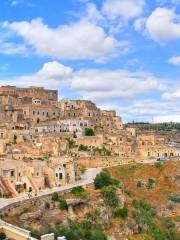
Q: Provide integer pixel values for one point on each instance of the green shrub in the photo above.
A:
(110, 197)
(47, 205)
(140, 204)
(55, 196)
(104, 179)
(174, 198)
(168, 223)
(158, 166)
(84, 230)
(151, 183)
(63, 204)
(89, 132)
(78, 191)
(83, 148)
(120, 212)
(139, 184)
(98, 235)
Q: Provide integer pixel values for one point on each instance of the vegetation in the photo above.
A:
(158, 166)
(120, 212)
(110, 197)
(151, 183)
(89, 132)
(139, 184)
(104, 179)
(156, 126)
(83, 148)
(102, 151)
(63, 204)
(55, 196)
(78, 192)
(83, 231)
(174, 198)
(47, 205)
(71, 143)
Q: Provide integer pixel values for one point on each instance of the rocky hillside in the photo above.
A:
(127, 202)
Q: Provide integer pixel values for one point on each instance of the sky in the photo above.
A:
(121, 54)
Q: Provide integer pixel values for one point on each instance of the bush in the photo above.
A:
(140, 204)
(139, 184)
(168, 223)
(89, 132)
(78, 191)
(104, 179)
(151, 183)
(55, 196)
(174, 198)
(47, 205)
(120, 212)
(63, 204)
(83, 230)
(110, 197)
(98, 235)
(158, 166)
(83, 148)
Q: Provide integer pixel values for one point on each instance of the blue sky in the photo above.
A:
(121, 54)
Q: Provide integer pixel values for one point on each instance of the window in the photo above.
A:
(60, 176)
(57, 175)
(12, 173)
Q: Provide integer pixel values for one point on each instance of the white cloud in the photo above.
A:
(92, 14)
(173, 95)
(80, 40)
(150, 110)
(175, 60)
(123, 8)
(52, 75)
(118, 84)
(107, 87)
(92, 83)
(162, 25)
(10, 48)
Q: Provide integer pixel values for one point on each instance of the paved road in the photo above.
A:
(88, 178)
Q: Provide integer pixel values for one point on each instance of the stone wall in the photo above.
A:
(103, 161)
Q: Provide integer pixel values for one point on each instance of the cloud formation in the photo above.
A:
(162, 25)
(79, 40)
(126, 9)
(175, 60)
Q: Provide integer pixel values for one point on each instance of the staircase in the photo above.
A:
(8, 186)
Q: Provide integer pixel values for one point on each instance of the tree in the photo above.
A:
(89, 132)
(63, 204)
(104, 179)
(55, 196)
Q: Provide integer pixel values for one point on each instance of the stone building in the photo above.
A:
(150, 145)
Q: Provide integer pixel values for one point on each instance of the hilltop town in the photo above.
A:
(46, 142)
(47, 146)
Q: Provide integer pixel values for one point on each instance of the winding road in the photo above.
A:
(87, 178)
